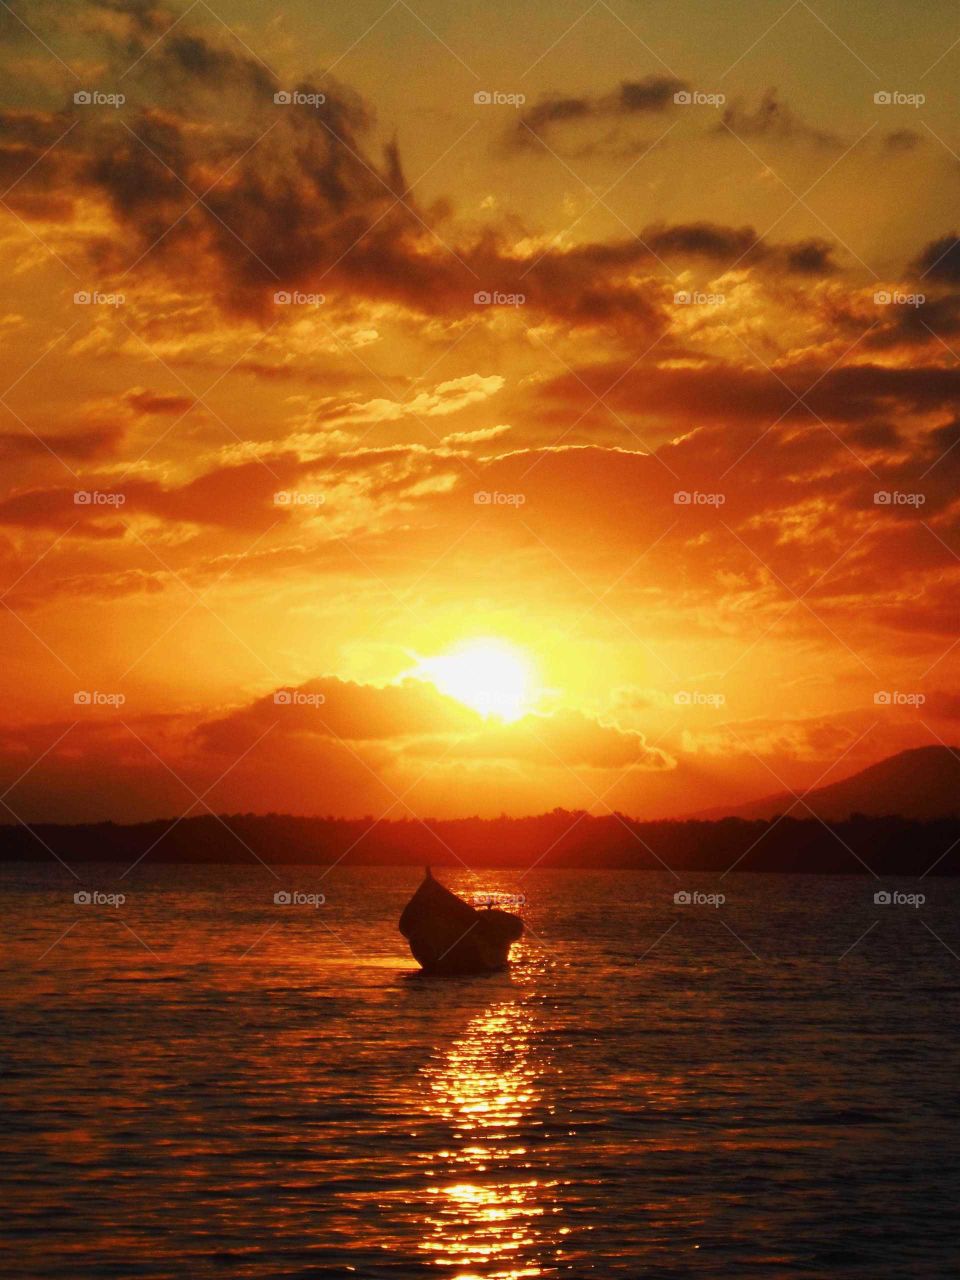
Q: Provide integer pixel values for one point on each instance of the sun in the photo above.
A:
(491, 676)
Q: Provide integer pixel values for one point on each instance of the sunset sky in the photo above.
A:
(611, 540)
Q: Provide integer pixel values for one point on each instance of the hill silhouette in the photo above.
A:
(923, 783)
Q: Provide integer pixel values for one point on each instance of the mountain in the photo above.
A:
(923, 784)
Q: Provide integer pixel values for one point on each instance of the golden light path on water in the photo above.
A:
(491, 1209)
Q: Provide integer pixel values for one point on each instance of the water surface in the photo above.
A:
(200, 1082)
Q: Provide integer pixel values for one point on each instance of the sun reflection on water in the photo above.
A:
(491, 1203)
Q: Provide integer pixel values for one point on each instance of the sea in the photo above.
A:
(240, 1072)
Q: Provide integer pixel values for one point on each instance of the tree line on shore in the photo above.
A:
(561, 838)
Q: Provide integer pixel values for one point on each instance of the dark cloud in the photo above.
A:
(940, 260)
(652, 94)
(727, 393)
(234, 497)
(773, 119)
(307, 208)
(25, 137)
(902, 140)
(876, 435)
(146, 401)
(553, 113)
(726, 245)
(298, 198)
(548, 112)
(290, 188)
(82, 445)
(906, 325)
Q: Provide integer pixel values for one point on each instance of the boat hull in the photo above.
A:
(449, 936)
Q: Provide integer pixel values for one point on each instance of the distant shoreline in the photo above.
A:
(859, 845)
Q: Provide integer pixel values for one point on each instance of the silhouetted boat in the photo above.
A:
(448, 935)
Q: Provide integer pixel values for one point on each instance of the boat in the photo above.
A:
(447, 935)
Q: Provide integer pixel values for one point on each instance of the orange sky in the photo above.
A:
(722, 255)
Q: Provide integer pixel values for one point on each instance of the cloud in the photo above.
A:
(774, 119)
(481, 435)
(903, 140)
(415, 715)
(238, 497)
(914, 326)
(145, 401)
(275, 210)
(803, 739)
(86, 445)
(743, 246)
(724, 392)
(563, 740)
(940, 260)
(400, 750)
(329, 707)
(303, 198)
(446, 398)
(552, 113)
